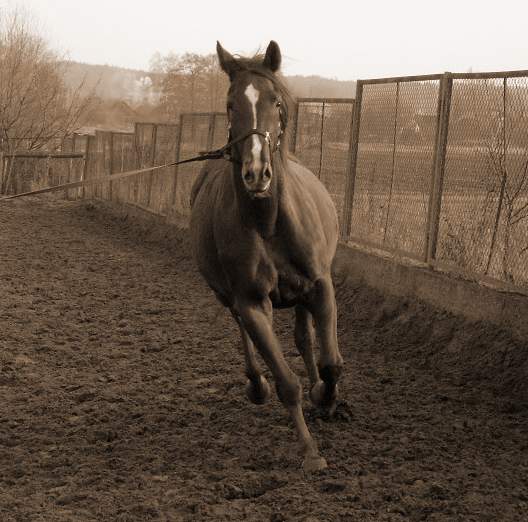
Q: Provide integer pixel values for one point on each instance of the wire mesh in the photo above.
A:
(195, 134)
(145, 136)
(219, 131)
(394, 165)
(322, 142)
(123, 159)
(33, 171)
(337, 124)
(80, 143)
(309, 135)
(90, 191)
(98, 163)
(27, 173)
(163, 179)
(484, 214)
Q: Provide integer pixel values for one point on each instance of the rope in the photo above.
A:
(217, 154)
(223, 152)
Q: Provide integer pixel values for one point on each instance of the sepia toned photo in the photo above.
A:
(263, 262)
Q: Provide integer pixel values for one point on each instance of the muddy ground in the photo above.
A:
(121, 394)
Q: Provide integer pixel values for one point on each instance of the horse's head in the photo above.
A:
(255, 102)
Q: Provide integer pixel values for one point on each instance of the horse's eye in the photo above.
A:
(278, 104)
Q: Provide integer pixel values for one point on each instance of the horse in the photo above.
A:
(264, 232)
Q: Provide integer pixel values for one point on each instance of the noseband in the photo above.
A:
(228, 153)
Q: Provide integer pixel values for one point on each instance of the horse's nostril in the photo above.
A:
(266, 174)
(249, 176)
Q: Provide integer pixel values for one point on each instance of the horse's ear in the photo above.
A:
(272, 59)
(226, 60)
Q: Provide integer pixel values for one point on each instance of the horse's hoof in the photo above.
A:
(314, 464)
(321, 398)
(258, 392)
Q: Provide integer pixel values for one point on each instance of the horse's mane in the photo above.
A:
(254, 64)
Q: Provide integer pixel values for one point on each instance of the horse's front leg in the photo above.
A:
(324, 310)
(257, 320)
(257, 387)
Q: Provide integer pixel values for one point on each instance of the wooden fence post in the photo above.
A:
(435, 197)
(352, 163)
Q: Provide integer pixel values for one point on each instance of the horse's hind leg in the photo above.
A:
(304, 340)
(324, 310)
(257, 387)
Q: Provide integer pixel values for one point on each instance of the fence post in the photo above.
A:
(321, 141)
(110, 163)
(295, 119)
(352, 163)
(211, 130)
(152, 162)
(435, 197)
(2, 168)
(176, 158)
(85, 165)
(393, 161)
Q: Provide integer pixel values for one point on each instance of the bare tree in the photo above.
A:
(36, 107)
(190, 83)
(507, 160)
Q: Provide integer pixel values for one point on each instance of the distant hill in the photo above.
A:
(139, 87)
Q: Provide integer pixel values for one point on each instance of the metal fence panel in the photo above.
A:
(219, 131)
(195, 135)
(375, 149)
(163, 179)
(322, 141)
(394, 165)
(145, 136)
(90, 191)
(123, 159)
(309, 135)
(484, 214)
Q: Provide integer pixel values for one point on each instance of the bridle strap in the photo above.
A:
(225, 152)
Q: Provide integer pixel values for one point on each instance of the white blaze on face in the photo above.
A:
(253, 95)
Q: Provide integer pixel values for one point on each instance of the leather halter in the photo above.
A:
(266, 135)
(226, 153)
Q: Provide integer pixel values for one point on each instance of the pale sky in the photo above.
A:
(345, 40)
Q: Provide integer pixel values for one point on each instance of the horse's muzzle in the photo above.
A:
(257, 179)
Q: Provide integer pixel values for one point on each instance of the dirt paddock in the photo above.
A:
(121, 394)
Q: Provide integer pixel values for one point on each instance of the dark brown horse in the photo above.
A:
(264, 231)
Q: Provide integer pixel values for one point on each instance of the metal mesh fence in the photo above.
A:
(322, 142)
(165, 151)
(27, 171)
(145, 134)
(219, 131)
(434, 168)
(123, 159)
(395, 154)
(195, 137)
(89, 191)
(484, 214)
